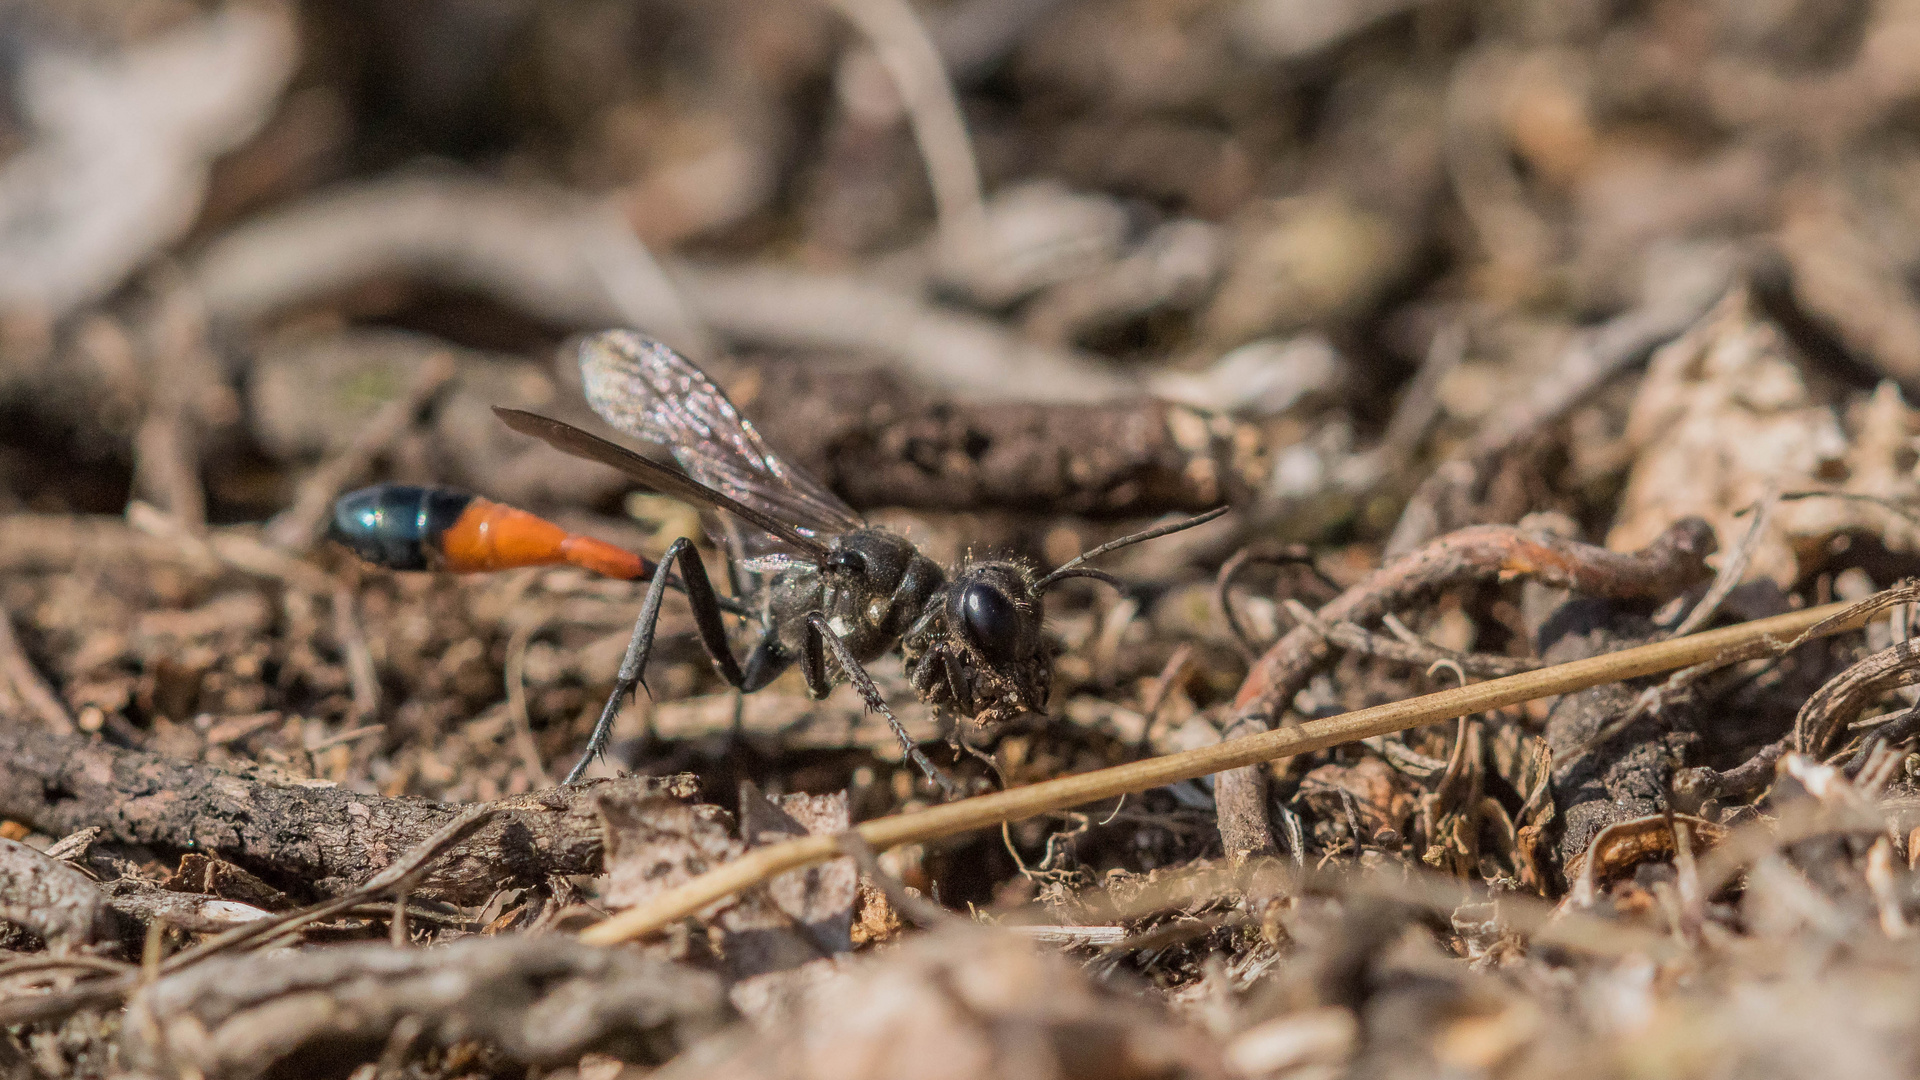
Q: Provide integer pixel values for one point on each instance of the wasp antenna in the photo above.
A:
(1154, 533)
(1066, 572)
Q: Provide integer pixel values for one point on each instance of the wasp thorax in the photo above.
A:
(871, 585)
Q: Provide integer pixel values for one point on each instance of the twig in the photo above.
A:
(902, 46)
(16, 670)
(1489, 552)
(28, 965)
(1448, 788)
(53, 543)
(168, 465)
(1050, 934)
(364, 680)
(881, 442)
(299, 526)
(1024, 802)
(1157, 695)
(51, 898)
(1421, 402)
(1290, 555)
(638, 287)
(531, 999)
(233, 548)
(1174, 265)
(1891, 506)
(1735, 567)
(1672, 562)
(399, 878)
(1178, 931)
(1409, 761)
(401, 875)
(1893, 730)
(342, 738)
(516, 679)
(939, 347)
(1424, 653)
(522, 246)
(325, 839)
(180, 372)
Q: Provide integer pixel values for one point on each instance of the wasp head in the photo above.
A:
(979, 649)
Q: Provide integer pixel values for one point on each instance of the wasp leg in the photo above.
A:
(706, 619)
(924, 673)
(959, 685)
(765, 664)
(814, 666)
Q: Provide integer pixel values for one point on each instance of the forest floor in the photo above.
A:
(1512, 333)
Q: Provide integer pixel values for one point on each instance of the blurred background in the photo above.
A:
(229, 232)
(1013, 275)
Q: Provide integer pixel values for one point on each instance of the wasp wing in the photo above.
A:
(657, 476)
(647, 390)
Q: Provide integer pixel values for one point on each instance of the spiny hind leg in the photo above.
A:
(713, 637)
(820, 640)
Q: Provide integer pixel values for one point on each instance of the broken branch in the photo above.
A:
(321, 838)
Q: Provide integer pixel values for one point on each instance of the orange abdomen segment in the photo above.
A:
(494, 536)
(604, 558)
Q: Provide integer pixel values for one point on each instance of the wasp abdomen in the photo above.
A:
(402, 527)
(397, 526)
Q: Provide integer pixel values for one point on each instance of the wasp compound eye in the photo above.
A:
(989, 620)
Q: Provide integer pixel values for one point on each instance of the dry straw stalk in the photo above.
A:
(1726, 645)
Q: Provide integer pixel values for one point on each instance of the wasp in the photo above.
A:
(826, 590)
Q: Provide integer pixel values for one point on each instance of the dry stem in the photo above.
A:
(914, 64)
(16, 671)
(298, 527)
(1069, 791)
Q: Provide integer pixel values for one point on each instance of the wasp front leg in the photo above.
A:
(763, 665)
(813, 664)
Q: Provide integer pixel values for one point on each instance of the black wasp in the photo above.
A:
(829, 591)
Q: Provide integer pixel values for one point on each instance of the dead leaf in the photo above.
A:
(202, 874)
(654, 844)
(1620, 848)
(1725, 411)
(818, 898)
(965, 1003)
(804, 914)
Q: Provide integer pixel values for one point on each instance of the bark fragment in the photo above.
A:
(50, 898)
(542, 1000)
(300, 836)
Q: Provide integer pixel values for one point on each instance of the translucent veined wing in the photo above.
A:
(647, 390)
(657, 476)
